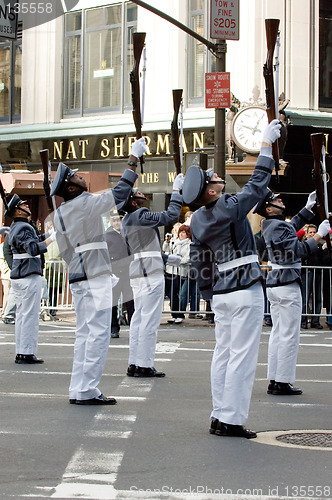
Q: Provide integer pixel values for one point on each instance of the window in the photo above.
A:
(98, 55)
(10, 79)
(200, 59)
(325, 54)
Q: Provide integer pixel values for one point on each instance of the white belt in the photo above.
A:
(296, 265)
(241, 261)
(98, 245)
(140, 255)
(25, 256)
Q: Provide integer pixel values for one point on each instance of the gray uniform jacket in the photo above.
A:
(80, 232)
(221, 233)
(140, 229)
(285, 249)
(27, 248)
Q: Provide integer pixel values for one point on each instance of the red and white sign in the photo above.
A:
(217, 90)
(225, 19)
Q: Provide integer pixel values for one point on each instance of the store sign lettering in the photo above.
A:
(118, 147)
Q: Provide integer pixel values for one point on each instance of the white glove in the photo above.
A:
(114, 280)
(52, 234)
(324, 228)
(174, 260)
(178, 182)
(139, 147)
(272, 132)
(311, 201)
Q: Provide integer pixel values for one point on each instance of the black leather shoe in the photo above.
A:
(147, 372)
(317, 327)
(115, 334)
(234, 430)
(270, 387)
(285, 389)
(100, 400)
(131, 370)
(28, 359)
(213, 425)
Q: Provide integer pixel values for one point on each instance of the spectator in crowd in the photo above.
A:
(53, 274)
(188, 286)
(312, 284)
(120, 261)
(187, 217)
(172, 278)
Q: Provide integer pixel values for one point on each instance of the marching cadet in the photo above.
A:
(223, 254)
(140, 229)
(120, 261)
(80, 236)
(27, 248)
(283, 284)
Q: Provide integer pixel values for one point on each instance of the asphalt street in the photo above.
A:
(155, 442)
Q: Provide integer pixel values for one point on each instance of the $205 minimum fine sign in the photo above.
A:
(217, 90)
(225, 19)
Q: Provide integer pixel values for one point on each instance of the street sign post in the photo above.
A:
(225, 19)
(217, 90)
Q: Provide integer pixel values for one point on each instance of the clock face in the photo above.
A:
(248, 127)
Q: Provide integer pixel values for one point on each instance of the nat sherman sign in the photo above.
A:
(116, 147)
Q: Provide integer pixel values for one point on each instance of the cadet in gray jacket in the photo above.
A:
(80, 236)
(27, 248)
(284, 286)
(140, 229)
(223, 253)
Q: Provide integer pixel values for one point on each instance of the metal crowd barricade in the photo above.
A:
(58, 294)
(316, 291)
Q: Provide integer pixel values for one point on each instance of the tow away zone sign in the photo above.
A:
(8, 19)
(225, 19)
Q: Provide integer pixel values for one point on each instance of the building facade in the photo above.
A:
(64, 86)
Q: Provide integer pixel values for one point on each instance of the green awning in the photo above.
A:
(304, 118)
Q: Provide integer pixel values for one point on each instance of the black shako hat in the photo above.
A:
(195, 183)
(14, 203)
(268, 197)
(61, 179)
(122, 206)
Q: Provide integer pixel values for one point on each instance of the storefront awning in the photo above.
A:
(304, 118)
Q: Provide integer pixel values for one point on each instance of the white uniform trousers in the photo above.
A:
(286, 310)
(93, 306)
(148, 299)
(238, 319)
(27, 293)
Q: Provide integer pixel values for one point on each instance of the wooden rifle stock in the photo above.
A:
(317, 143)
(177, 98)
(138, 45)
(44, 156)
(271, 28)
(3, 195)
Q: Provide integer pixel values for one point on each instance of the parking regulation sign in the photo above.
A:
(225, 19)
(8, 19)
(217, 90)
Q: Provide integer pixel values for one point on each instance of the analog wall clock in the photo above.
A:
(247, 128)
